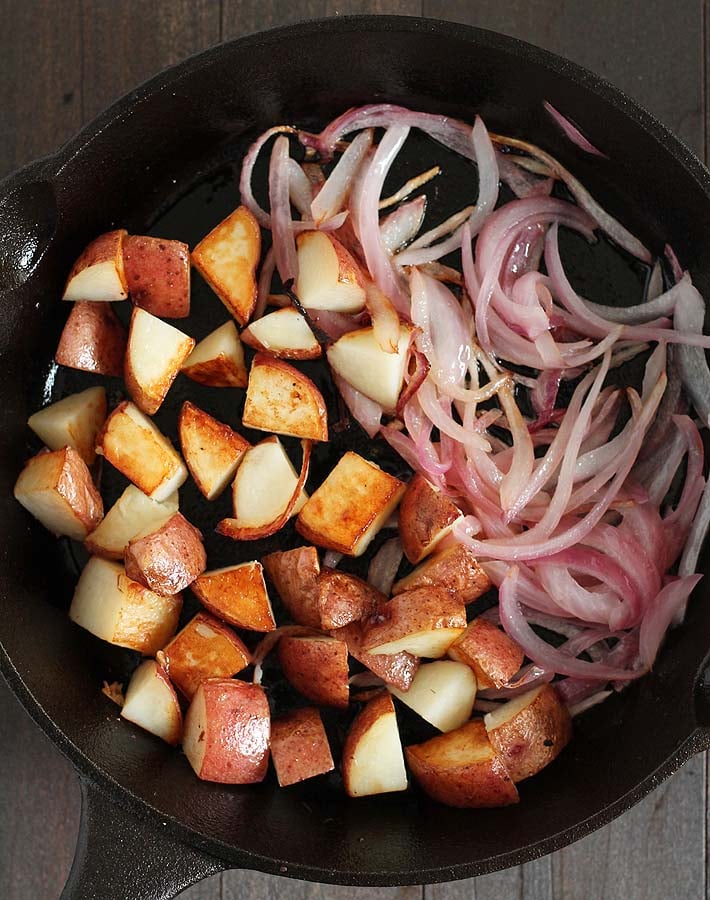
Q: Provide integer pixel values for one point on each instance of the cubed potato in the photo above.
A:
(373, 762)
(218, 359)
(425, 517)
(154, 356)
(169, 559)
(152, 704)
(328, 275)
(442, 692)
(227, 259)
(358, 358)
(93, 340)
(73, 422)
(283, 333)
(350, 506)
(343, 598)
(529, 731)
(238, 595)
(57, 489)
(283, 400)
(455, 568)
(227, 732)
(263, 492)
(118, 610)
(204, 648)
(98, 274)
(424, 622)
(397, 669)
(487, 649)
(299, 746)
(133, 515)
(317, 667)
(212, 450)
(461, 768)
(132, 443)
(158, 275)
(294, 574)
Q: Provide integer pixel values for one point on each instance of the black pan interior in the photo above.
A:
(164, 160)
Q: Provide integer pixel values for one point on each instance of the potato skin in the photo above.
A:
(455, 568)
(318, 668)
(299, 746)
(158, 275)
(93, 340)
(343, 598)
(488, 650)
(460, 768)
(397, 669)
(169, 559)
(425, 515)
(534, 737)
(294, 574)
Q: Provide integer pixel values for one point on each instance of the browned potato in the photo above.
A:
(132, 515)
(397, 669)
(212, 450)
(317, 667)
(529, 731)
(132, 443)
(488, 650)
(424, 622)
(93, 340)
(158, 275)
(99, 274)
(205, 648)
(152, 704)
(227, 730)
(425, 517)
(118, 610)
(238, 595)
(455, 568)
(343, 598)
(169, 559)
(283, 333)
(218, 360)
(372, 755)
(73, 422)
(299, 746)
(350, 506)
(328, 274)
(461, 768)
(227, 259)
(154, 357)
(283, 400)
(57, 489)
(294, 574)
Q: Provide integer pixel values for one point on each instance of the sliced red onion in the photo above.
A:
(676, 267)
(409, 187)
(367, 413)
(245, 189)
(608, 224)
(572, 132)
(364, 207)
(452, 224)
(692, 362)
(585, 703)
(299, 188)
(334, 324)
(331, 197)
(662, 611)
(662, 305)
(427, 463)
(696, 537)
(280, 200)
(399, 227)
(264, 286)
(654, 288)
(414, 378)
(517, 175)
(331, 558)
(385, 320)
(384, 565)
(542, 653)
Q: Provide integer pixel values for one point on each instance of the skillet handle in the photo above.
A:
(122, 857)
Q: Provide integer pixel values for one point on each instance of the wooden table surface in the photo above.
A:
(62, 62)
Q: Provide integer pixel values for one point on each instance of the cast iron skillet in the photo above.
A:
(149, 827)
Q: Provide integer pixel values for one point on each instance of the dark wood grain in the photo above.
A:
(60, 64)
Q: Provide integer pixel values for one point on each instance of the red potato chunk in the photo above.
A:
(158, 275)
(299, 746)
